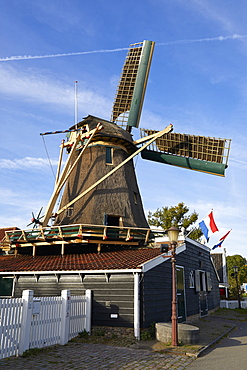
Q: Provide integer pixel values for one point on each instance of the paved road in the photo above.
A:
(76, 356)
(229, 354)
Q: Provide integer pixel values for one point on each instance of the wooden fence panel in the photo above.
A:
(77, 316)
(45, 325)
(10, 326)
(39, 324)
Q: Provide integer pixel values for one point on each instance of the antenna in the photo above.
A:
(76, 104)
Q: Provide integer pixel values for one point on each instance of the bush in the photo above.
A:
(150, 333)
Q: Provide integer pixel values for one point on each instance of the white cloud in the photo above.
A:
(207, 39)
(38, 87)
(215, 12)
(18, 198)
(24, 57)
(26, 163)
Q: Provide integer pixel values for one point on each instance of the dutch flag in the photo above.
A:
(208, 225)
(221, 240)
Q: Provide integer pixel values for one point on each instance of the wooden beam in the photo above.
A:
(157, 135)
(65, 173)
(78, 241)
(59, 161)
(34, 250)
(143, 139)
(62, 249)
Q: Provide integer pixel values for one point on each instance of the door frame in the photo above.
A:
(181, 294)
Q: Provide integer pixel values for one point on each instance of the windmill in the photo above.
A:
(100, 190)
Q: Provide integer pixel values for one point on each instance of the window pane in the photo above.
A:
(108, 155)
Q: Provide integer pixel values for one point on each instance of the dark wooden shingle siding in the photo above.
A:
(195, 258)
(156, 286)
(112, 293)
(156, 295)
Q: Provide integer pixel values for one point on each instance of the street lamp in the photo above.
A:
(173, 238)
(235, 268)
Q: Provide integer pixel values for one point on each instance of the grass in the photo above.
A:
(239, 314)
(35, 351)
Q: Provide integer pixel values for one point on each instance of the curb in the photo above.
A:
(205, 348)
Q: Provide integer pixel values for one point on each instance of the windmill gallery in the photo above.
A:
(99, 238)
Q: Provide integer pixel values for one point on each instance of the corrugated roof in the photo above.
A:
(117, 260)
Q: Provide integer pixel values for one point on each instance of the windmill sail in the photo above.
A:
(199, 153)
(129, 98)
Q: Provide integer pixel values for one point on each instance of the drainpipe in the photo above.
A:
(137, 306)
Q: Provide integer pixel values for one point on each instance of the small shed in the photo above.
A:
(131, 287)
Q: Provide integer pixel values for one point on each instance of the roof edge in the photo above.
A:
(67, 272)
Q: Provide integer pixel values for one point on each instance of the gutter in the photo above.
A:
(71, 272)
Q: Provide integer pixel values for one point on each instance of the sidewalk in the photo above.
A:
(141, 355)
(212, 328)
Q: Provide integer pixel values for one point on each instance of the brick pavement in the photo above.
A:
(75, 356)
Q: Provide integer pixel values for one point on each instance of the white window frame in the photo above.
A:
(201, 281)
(192, 279)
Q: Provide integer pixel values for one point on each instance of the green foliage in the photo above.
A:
(83, 334)
(99, 333)
(176, 216)
(32, 352)
(239, 261)
(150, 333)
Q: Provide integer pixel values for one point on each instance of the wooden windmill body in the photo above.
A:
(116, 201)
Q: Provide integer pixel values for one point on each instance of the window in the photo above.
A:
(135, 197)
(192, 279)
(109, 155)
(202, 281)
(209, 282)
(6, 286)
(69, 211)
(110, 220)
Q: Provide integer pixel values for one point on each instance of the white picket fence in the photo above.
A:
(232, 304)
(30, 322)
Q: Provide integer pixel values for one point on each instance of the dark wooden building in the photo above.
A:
(131, 287)
(219, 260)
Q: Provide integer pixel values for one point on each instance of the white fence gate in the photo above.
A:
(30, 322)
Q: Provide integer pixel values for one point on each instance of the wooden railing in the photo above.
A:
(79, 234)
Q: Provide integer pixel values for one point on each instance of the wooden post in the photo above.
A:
(174, 297)
(27, 310)
(65, 316)
(34, 250)
(62, 248)
(88, 307)
(136, 306)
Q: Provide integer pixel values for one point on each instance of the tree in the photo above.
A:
(239, 261)
(175, 216)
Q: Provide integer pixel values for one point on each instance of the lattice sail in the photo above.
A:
(205, 154)
(129, 98)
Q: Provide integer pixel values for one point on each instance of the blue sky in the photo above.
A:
(197, 82)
